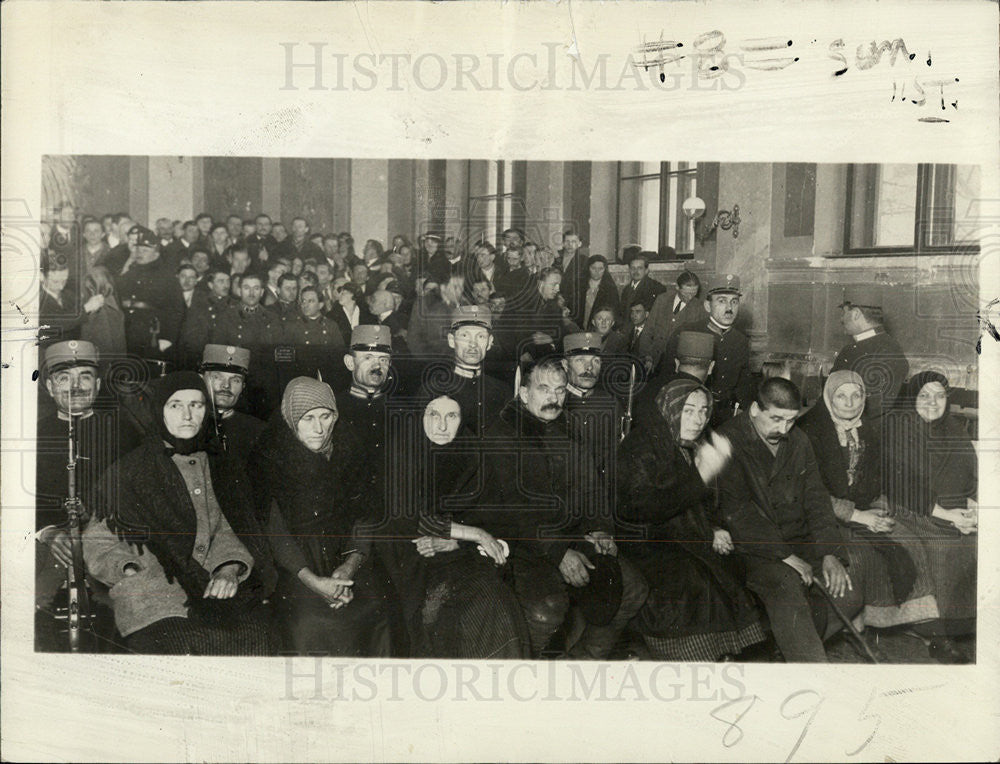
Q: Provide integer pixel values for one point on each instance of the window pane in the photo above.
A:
(884, 201)
(649, 168)
(639, 213)
(951, 190)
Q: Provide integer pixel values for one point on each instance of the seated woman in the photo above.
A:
(175, 538)
(931, 482)
(305, 474)
(894, 568)
(465, 609)
(697, 608)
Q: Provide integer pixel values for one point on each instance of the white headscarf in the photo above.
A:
(846, 428)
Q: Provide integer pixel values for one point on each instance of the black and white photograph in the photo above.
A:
(430, 441)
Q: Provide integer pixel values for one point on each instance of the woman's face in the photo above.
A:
(603, 322)
(184, 412)
(848, 401)
(694, 415)
(932, 401)
(314, 427)
(597, 271)
(442, 418)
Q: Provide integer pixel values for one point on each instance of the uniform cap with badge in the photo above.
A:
(146, 238)
(375, 338)
(862, 296)
(472, 315)
(696, 345)
(722, 283)
(225, 358)
(582, 343)
(68, 354)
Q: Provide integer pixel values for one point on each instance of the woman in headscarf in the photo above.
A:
(459, 605)
(890, 564)
(601, 290)
(176, 539)
(306, 473)
(931, 474)
(697, 608)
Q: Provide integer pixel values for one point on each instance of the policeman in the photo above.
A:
(224, 369)
(479, 395)
(730, 381)
(153, 302)
(70, 375)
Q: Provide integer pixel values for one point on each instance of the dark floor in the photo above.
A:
(895, 644)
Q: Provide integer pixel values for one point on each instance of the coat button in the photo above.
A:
(200, 548)
(197, 492)
(192, 461)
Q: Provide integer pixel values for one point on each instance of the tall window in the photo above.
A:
(503, 208)
(909, 209)
(650, 195)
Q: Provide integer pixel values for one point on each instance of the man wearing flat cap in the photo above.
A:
(730, 381)
(152, 299)
(872, 352)
(479, 395)
(69, 371)
(224, 369)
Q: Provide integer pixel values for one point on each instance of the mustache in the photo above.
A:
(551, 407)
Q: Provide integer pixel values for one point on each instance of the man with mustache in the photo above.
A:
(781, 520)
(529, 493)
(730, 380)
(70, 375)
(479, 395)
(224, 369)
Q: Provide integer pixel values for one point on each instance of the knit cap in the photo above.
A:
(304, 394)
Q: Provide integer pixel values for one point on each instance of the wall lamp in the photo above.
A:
(727, 220)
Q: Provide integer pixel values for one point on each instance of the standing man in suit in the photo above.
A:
(672, 310)
(641, 287)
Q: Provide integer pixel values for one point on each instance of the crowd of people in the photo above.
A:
(455, 450)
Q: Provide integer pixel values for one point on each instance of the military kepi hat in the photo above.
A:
(65, 355)
(582, 343)
(225, 358)
(862, 296)
(477, 315)
(146, 238)
(723, 283)
(696, 345)
(371, 337)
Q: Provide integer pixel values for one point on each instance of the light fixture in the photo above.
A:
(694, 208)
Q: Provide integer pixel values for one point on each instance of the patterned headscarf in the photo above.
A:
(670, 402)
(303, 394)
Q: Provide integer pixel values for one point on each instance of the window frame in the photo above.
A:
(921, 221)
(663, 175)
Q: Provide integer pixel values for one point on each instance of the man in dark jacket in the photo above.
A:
(224, 369)
(781, 520)
(873, 353)
(641, 287)
(529, 499)
(153, 302)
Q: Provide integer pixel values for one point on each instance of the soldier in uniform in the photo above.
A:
(153, 303)
(199, 321)
(317, 339)
(480, 396)
(872, 353)
(249, 325)
(70, 375)
(730, 382)
(224, 369)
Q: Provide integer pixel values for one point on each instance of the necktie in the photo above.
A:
(678, 307)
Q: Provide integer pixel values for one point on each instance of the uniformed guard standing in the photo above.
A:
(153, 303)
(730, 382)
(318, 341)
(479, 395)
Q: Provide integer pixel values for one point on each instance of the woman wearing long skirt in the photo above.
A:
(697, 607)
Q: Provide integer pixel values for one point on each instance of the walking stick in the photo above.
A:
(848, 624)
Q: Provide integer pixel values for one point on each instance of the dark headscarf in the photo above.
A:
(162, 390)
(908, 395)
(670, 402)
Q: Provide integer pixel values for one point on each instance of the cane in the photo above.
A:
(846, 621)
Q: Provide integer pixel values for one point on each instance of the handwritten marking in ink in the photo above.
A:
(986, 322)
(811, 710)
(733, 733)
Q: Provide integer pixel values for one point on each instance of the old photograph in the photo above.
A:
(480, 409)
(519, 381)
